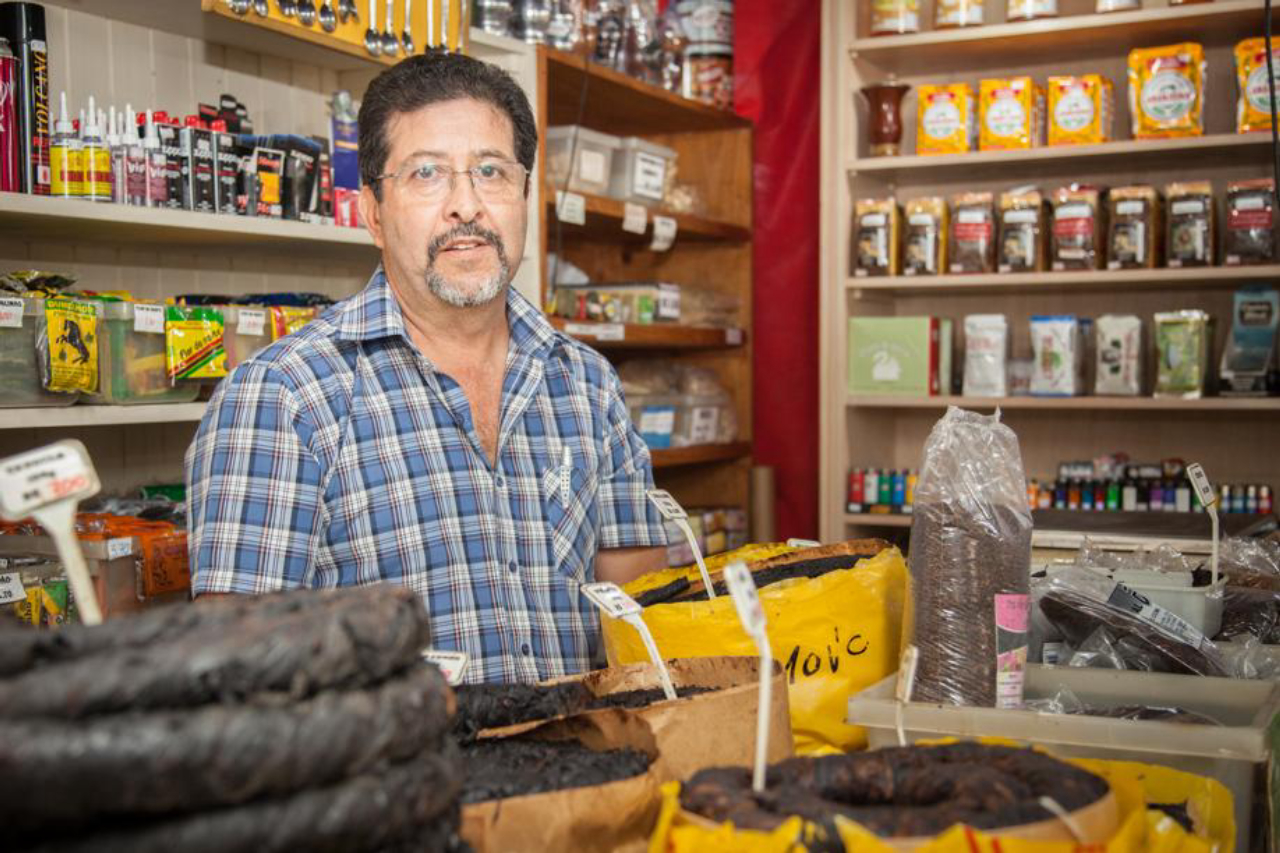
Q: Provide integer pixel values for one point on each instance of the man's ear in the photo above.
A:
(370, 215)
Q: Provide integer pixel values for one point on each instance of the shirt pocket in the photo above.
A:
(569, 490)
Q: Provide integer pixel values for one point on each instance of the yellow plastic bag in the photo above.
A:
(72, 329)
(835, 635)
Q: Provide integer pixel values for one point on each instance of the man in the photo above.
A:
(434, 430)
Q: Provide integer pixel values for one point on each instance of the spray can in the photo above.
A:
(96, 157)
(65, 157)
(10, 177)
(899, 488)
(1251, 500)
(119, 158)
(885, 483)
(871, 485)
(856, 480)
(910, 497)
(23, 25)
(1264, 500)
(178, 164)
(202, 188)
(135, 159)
(157, 166)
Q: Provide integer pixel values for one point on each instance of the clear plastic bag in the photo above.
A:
(1103, 650)
(970, 564)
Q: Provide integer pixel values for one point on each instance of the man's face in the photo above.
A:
(461, 245)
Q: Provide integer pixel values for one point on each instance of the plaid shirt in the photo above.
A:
(339, 456)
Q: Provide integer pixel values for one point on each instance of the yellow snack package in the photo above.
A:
(945, 119)
(1012, 114)
(287, 320)
(72, 329)
(193, 344)
(1081, 110)
(1253, 110)
(1166, 91)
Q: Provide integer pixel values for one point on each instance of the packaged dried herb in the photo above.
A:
(1136, 230)
(1166, 91)
(925, 247)
(1078, 228)
(1250, 235)
(893, 17)
(973, 233)
(1081, 110)
(1022, 231)
(946, 118)
(957, 13)
(878, 227)
(1253, 110)
(1012, 114)
(1191, 224)
(1182, 340)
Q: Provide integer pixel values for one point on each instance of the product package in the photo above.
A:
(1166, 91)
(1253, 109)
(197, 145)
(973, 232)
(1057, 346)
(177, 166)
(986, 355)
(1191, 222)
(894, 17)
(1030, 10)
(640, 302)
(268, 183)
(879, 227)
(1120, 355)
(68, 346)
(1117, 5)
(1182, 341)
(287, 319)
(895, 355)
(193, 344)
(1012, 114)
(1251, 358)
(957, 13)
(1023, 231)
(1079, 228)
(946, 120)
(927, 231)
(1136, 228)
(1249, 237)
(1081, 110)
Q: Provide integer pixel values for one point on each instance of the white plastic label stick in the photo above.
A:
(1209, 498)
(615, 603)
(664, 233)
(673, 512)
(635, 218)
(571, 208)
(452, 664)
(742, 589)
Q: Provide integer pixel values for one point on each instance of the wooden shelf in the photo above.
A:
(1083, 404)
(700, 454)
(56, 219)
(1075, 37)
(615, 103)
(877, 519)
(1154, 279)
(649, 335)
(90, 416)
(1213, 150)
(604, 224)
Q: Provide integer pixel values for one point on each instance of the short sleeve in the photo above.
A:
(253, 488)
(627, 518)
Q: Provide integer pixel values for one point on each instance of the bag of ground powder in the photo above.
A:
(970, 558)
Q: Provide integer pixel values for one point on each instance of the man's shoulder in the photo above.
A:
(308, 356)
(586, 364)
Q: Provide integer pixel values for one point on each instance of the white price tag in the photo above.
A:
(117, 548)
(11, 588)
(252, 321)
(746, 600)
(1200, 482)
(733, 337)
(610, 598)
(802, 543)
(571, 208)
(58, 472)
(742, 588)
(452, 664)
(667, 505)
(664, 233)
(673, 512)
(635, 218)
(148, 319)
(599, 331)
(11, 311)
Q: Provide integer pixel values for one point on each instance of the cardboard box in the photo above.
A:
(895, 355)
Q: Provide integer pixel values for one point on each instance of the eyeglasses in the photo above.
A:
(493, 180)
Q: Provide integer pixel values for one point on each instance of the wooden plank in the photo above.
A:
(1123, 404)
(875, 519)
(604, 222)
(700, 454)
(1158, 278)
(650, 335)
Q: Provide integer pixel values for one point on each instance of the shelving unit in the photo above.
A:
(657, 336)
(701, 455)
(604, 224)
(889, 432)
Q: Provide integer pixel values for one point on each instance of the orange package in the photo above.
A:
(1081, 110)
(1012, 114)
(1253, 110)
(945, 119)
(1166, 91)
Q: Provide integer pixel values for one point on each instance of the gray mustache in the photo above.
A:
(469, 229)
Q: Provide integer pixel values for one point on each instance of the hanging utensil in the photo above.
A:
(390, 44)
(261, 8)
(240, 7)
(431, 24)
(306, 12)
(373, 41)
(288, 8)
(328, 20)
(406, 36)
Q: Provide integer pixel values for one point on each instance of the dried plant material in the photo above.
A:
(1191, 221)
(1136, 232)
(1166, 91)
(973, 231)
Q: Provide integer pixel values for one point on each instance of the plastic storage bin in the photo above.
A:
(592, 162)
(1229, 753)
(704, 419)
(131, 363)
(20, 383)
(246, 331)
(655, 417)
(640, 171)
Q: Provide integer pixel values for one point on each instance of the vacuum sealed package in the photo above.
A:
(1252, 355)
(1190, 219)
(970, 565)
(1166, 91)
(895, 17)
(1011, 114)
(1182, 341)
(1022, 231)
(68, 346)
(986, 355)
(1120, 355)
(1081, 110)
(973, 233)
(946, 119)
(1030, 10)
(878, 226)
(1249, 236)
(925, 246)
(1253, 109)
(957, 13)
(1135, 228)
(1057, 348)
(1078, 228)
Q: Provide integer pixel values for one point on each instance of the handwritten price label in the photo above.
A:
(452, 664)
(11, 588)
(61, 471)
(610, 598)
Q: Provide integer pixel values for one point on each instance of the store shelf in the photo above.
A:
(1082, 404)
(1074, 37)
(1154, 279)
(649, 335)
(1213, 150)
(604, 224)
(89, 416)
(700, 454)
(877, 519)
(615, 103)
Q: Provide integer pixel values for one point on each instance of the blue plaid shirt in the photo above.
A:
(339, 456)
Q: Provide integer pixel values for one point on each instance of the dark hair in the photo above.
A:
(432, 78)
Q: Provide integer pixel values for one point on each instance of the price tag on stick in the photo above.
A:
(742, 589)
(1209, 499)
(615, 603)
(452, 664)
(48, 484)
(673, 512)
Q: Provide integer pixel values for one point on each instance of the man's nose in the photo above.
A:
(462, 203)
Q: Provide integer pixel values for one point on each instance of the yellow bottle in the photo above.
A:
(95, 157)
(66, 159)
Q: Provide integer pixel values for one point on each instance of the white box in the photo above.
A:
(592, 161)
(640, 171)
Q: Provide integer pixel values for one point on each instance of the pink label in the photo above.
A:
(1013, 612)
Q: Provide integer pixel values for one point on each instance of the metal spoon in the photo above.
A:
(261, 8)
(240, 7)
(288, 8)
(390, 44)
(406, 36)
(347, 10)
(306, 12)
(373, 41)
(328, 20)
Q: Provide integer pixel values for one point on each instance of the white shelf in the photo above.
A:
(89, 416)
(1082, 404)
(1111, 280)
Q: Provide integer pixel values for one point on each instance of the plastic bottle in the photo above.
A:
(157, 166)
(119, 158)
(886, 488)
(135, 159)
(96, 157)
(1264, 500)
(65, 158)
(871, 485)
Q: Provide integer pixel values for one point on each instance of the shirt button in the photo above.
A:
(500, 481)
(524, 649)
(512, 567)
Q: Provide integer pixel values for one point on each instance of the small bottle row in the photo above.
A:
(881, 491)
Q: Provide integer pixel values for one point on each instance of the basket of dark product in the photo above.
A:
(712, 720)
(296, 721)
(584, 783)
